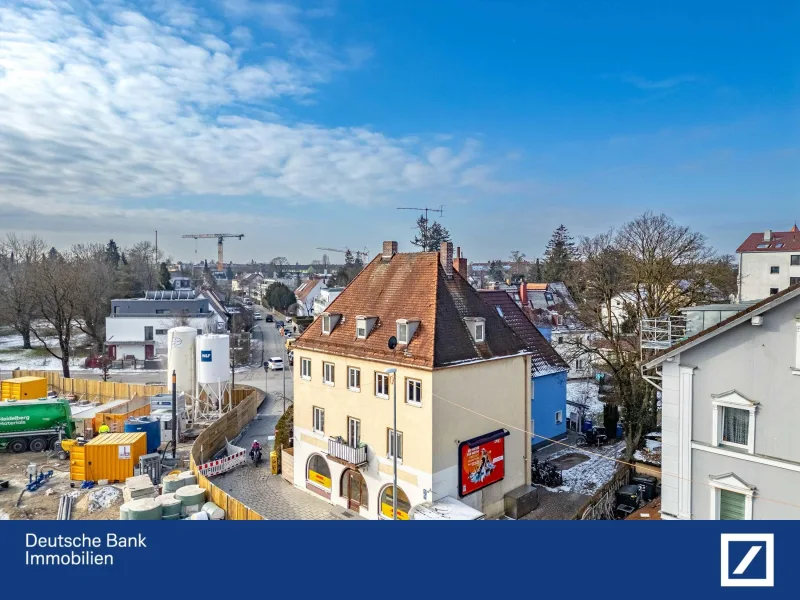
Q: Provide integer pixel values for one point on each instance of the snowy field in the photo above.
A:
(12, 356)
(589, 476)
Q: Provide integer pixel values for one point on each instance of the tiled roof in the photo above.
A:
(308, 286)
(793, 290)
(781, 241)
(545, 359)
(412, 286)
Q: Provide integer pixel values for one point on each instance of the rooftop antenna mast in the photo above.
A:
(425, 210)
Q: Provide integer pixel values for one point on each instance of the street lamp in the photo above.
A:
(393, 374)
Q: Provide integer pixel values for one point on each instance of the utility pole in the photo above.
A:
(174, 417)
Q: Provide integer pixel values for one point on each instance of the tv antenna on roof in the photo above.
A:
(426, 210)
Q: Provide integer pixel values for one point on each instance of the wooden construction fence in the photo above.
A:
(211, 440)
(94, 390)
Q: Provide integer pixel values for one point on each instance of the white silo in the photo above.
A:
(180, 358)
(213, 370)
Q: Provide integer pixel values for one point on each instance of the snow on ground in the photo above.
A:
(651, 453)
(589, 476)
(12, 355)
(585, 392)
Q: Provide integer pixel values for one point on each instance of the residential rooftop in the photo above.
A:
(772, 241)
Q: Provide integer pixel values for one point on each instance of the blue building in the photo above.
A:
(548, 371)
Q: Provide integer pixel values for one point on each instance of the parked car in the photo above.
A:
(268, 318)
(287, 332)
(275, 363)
(278, 324)
(248, 302)
(257, 316)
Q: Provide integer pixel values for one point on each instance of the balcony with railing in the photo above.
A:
(662, 332)
(341, 451)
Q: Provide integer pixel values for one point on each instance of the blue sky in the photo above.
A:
(307, 124)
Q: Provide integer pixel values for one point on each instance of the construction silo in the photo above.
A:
(213, 370)
(181, 343)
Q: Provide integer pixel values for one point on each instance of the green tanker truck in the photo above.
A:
(34, 425)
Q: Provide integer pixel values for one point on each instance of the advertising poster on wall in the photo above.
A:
(481, 462)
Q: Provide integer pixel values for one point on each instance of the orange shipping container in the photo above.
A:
(116, 422)
(109, 456)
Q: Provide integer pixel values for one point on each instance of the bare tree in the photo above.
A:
(95, 283)
(55, 294)
(18, 258)
(144, 263)
(662, 267)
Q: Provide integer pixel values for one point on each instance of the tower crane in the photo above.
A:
(358, 253)
(220, 237)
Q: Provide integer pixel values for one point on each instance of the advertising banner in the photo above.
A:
(481, 462)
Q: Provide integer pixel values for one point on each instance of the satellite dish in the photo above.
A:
(392, 343)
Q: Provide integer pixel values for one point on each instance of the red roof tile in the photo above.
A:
(412, 285)
(790, 241)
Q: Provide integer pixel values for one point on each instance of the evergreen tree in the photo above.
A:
(112, 253)
(610, 419)
(430, 235)
(122, 259)
(229, 273)
(348, 257)
(559, 256)
(163, 277)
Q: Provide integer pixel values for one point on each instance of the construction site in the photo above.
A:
(73, 448)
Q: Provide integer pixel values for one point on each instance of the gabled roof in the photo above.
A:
(737, 319)
(780, 241)
(305, 288)
(545, 359)
(412, 286)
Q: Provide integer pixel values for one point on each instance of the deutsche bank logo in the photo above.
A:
(205, 355)
(748, 560)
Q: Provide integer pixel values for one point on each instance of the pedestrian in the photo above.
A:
(104, 429)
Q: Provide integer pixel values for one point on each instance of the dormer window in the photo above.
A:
(364, 326)
(329, 321)
(406, 329)
(477, 328)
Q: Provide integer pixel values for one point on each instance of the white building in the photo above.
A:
(325, 297)
(138, 327)
(306, 293)
(769, 262)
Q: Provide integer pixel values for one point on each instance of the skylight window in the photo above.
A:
(762, 246)
(499, 311)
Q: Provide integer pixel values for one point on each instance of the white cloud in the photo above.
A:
(658, 84)
(107, 104)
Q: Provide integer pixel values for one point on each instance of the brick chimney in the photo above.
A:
(389, 250)
(460, 263)
(446, 258)
(523, 294)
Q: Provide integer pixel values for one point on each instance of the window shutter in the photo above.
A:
(731, 506)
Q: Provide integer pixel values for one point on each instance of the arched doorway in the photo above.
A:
(354, 489)
(386, 504)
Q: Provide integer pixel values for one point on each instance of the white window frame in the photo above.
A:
(361, 326)
(730, 483)
(318, 420)
(350, 386)
(409, 383)
(385, 377)
(326, 325)
(480, 332)
(353, 426)
(325, 379)
(402, 339)
(559, 417)
(390, 434)
(733, 400)
(305, 369)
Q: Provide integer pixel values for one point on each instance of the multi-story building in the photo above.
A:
(306, 293)
(461, 389)
(324, 298)
(548, 376)
(138, 326)
(730, 411)
(769, 262)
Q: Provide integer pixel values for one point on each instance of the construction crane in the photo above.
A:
(220, 237)
(358, 253)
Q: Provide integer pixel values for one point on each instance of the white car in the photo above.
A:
(257, 316)
(275, 363)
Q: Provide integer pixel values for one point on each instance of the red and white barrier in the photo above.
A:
(235, 456)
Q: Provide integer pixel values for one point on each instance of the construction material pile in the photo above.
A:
(181, 499)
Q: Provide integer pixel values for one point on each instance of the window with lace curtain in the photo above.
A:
(735, 426)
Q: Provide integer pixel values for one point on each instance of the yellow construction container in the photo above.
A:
(109, 456)
(23, 388)
(116, 422)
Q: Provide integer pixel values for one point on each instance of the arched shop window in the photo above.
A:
(403, 505)
(318, 473)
